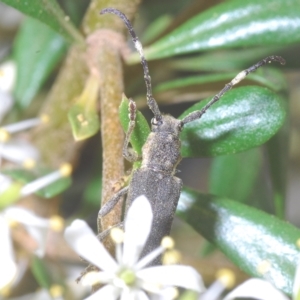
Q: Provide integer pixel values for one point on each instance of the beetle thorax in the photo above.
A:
(161, 151)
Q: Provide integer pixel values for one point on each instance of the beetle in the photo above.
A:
(161, 152)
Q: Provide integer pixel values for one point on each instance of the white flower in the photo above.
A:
(7, 80)
(18, 150)
(256, 288)
(6, 101)
(126, 277)
(253, 288)
(35, 226)
(65, 170)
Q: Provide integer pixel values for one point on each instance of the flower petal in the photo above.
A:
(18, 151)
(6, 101)
(173, 275)
(36, 226)
(25, 216)
(8, 72)
(8, 268)
(5, 183)
(214, 291)
(134, 294)
(108, 292)
(82, 239)
(258, 289)
(137, 228)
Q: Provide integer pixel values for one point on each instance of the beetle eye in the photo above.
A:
(154, 122)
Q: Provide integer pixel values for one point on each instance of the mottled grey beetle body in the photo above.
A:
(161, 152)
(155, 179)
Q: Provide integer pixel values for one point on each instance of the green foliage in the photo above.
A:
(233, 24)
(50, 13)
(251, 238)
(41, 273)
(227, 170)
(244, 118)
(36, 62)
(224, 39)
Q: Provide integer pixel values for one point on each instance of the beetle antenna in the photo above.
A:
(150, 100)
(198, 114)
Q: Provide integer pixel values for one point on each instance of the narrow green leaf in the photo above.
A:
(20, 175)
(35, 62)
(249, 237)
(234, 175)
(233, 24)
(156, 27)
(244, 118)
(271, 78)
(55, 188)
(49, 13)
(141, 130)
(41, 273)
(223, 60)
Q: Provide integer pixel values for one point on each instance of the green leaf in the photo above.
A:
(232, 24)
(55, 188)
(35, 63)
(271, 78)
(141, 130)
(244, 118)
(249, 237)
(49, 13)
(20, 175)
(41, 273)
(156, 27)
(223, 60)
(234, 175)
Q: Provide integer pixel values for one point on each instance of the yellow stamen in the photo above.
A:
(56, 223)
(226, 277)
(56, 290)
(65, 170)
(4, 135)
(117, 235)
(167, 242)
(171, 257)
(29, 163)
(44, 118)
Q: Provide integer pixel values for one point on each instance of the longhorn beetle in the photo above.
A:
(161, 152)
